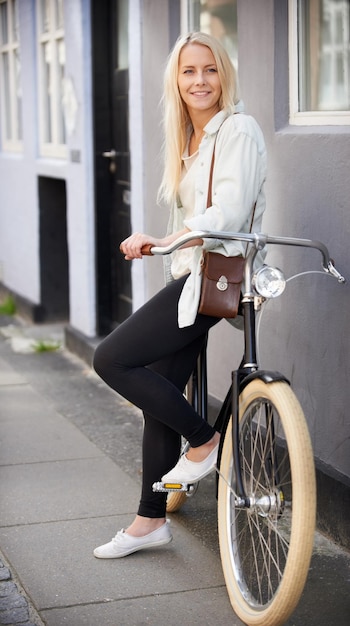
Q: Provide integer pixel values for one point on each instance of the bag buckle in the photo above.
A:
(222, 283)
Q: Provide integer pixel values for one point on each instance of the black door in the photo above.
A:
(112, 160)
(54, 271)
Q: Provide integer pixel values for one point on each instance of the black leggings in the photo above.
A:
(148, 360)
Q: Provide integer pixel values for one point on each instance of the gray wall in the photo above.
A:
(304, 333)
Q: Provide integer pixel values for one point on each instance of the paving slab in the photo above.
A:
(31, 432)
(67, 573)
(62, 490)
(8, 376)
(155, 610)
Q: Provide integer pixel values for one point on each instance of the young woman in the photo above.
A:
(149, 358)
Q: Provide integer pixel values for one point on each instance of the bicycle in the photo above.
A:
(266, 487)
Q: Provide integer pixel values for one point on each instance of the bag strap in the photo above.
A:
(209, 202)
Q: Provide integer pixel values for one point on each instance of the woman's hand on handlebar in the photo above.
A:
(132, 246)
(135, 246)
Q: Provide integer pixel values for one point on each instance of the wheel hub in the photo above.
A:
(267, 505)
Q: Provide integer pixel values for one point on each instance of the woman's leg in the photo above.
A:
(148, 360)
(150, 335)
(161, 444)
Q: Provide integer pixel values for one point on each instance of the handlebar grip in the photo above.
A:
(146, 250)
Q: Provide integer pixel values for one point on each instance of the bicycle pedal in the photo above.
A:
(166, 487)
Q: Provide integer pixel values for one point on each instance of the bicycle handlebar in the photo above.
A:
(260, 240)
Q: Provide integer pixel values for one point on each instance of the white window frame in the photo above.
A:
(10, 114)
(186, 26)
(55, 148)
(305, 118)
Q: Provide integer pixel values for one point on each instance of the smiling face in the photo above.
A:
(198, 80)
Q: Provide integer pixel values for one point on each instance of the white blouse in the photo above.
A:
(239, 175)
(182, 259)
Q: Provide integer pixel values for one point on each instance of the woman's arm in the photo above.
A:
(132, 246)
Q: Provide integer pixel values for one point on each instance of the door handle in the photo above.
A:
(109, 154)
(112, 154)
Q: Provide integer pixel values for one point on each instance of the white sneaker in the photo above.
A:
(123, 544)
(186, 471)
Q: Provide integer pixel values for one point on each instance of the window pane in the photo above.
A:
(15, 33)
(59, 13)
(47, 90)
(10, 74)
(3, 23)
(45, 15)
(52, 77)
(123, 40)
(18, 95)
(6, 75)
(217, 18)
(324, 45)
(60, 78)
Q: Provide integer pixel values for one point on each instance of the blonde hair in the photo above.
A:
(176, 119)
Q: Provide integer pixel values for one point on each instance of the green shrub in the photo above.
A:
(46, 346)
(8, 306)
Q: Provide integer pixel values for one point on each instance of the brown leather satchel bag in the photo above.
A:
(221, 285)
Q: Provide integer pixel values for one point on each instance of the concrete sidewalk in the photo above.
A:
(70, 460)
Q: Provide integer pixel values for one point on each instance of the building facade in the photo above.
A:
(80, 143)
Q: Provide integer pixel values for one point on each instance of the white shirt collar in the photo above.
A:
(214, 124)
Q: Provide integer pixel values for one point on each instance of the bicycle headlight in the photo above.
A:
(269, 282)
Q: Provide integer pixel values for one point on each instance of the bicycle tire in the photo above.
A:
(175, 500)
(265, 553)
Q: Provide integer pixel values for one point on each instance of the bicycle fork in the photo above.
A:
(240, 377)
(248, 366)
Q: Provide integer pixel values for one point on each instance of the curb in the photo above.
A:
(15, 607)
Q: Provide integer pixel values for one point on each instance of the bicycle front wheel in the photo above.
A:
(266, 543)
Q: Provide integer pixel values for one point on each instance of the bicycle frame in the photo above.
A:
(248, 368)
